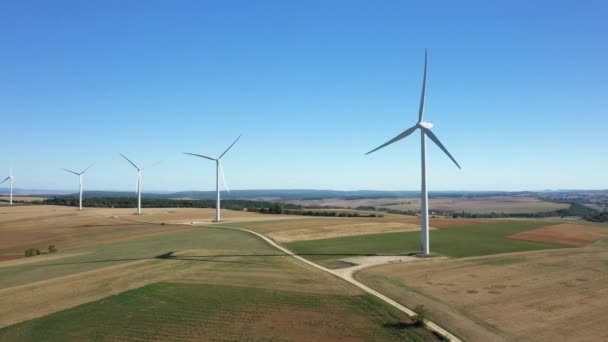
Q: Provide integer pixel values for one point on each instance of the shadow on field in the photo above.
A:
(401, 325)
(202, 258)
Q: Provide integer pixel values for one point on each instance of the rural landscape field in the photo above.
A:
(349, 171)
(173, 274)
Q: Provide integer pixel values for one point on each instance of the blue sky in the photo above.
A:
(516, 91)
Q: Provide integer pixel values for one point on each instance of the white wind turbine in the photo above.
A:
(425, 130)
(218, 171)
(139, 172)
(11, 179)
(80, 181)
(138, 184)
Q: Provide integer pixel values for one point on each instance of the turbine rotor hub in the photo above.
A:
(426, 125)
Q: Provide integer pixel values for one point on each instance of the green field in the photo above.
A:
(171, 312)
(105, 255)
(463, 241)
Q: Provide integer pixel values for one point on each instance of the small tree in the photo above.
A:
(52, 249)
(421, 315)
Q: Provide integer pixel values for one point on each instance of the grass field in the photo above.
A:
(194, 312)
(552, 295)
(184, 283)
(463, 241)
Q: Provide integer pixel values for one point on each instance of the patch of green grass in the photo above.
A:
(463, 241)
(494, 292)
(135, 249)
(177, 312)
(472, 291)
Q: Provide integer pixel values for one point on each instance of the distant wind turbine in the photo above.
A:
(139, 172)
(11, 179)
(218, 171)
(80, 181)
(425, 130)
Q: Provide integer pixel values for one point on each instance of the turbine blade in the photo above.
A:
(229, 147)
(85, 170)
(5, 179)
(223, 178)
(132, 163)
(199, 155)
(397, 138)
(436, 141)
(421, 110)
(70, 171)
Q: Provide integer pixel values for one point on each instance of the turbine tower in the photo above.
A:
(80, 181)
(425, 130)
(218, 171)
(11, 179)
(139, 170)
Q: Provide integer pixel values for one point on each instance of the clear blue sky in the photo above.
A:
(517, 91)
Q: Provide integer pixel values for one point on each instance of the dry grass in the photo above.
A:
(478, 205)
(564, 234)
(324, 228)
(532, 296)
(337, 230)
(23, 227)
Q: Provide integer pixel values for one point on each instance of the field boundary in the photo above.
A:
(432, 326)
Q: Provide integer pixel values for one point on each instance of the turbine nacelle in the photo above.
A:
(426, 125)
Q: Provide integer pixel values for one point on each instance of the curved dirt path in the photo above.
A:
(347, 275)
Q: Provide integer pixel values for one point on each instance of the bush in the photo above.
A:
(52, 249)
(421, 315)
(31, 252)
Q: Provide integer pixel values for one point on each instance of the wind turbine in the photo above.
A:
(80, 179)
(11, 179)
(139, 171)
(425, 130)
(218, 171)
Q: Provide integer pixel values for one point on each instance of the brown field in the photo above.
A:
(529, 296)
(564, 234)
(17, 199)
(324, 228)
(23, 227)
(479, 205)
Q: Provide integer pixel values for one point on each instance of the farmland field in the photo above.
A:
(180, 311)
(461, 241)
(475, 205)
(533, 296)
(183, 282)
(24, 227)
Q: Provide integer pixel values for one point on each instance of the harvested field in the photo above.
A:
(564, 234)
(477, 205)
(330, 231)
(530, 296)
(195, 312)
(321, 228)
(18, 261)
(26, 199)
(24, 227)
